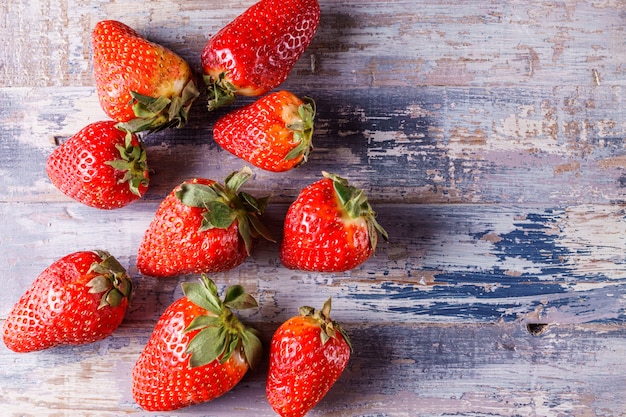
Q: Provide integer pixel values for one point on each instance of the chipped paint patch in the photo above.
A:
(521, 261)
(613, 162)
(598, 247)
(572, 166)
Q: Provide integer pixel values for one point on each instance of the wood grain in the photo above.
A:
(365, 43)
(420, 145)
(400, 370)
(451, 263)
(489, 137)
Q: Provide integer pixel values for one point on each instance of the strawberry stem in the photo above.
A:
(224, 204)
(221, 332)
(112, 280)
(133, 163)
(355, 203)
(220, 92)
(328, 327)
(154, 114)
(303, 131)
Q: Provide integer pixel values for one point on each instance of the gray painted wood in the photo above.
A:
(400, 370)
(489, 137)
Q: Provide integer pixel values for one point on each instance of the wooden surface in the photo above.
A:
(489, 137)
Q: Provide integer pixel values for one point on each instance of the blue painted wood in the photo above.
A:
(444, 263)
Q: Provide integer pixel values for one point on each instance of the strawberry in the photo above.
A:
(202, 226)
(141, 84)
(198, 350)
(255, 52)
(80, 298)
(100, 166)
(331, 227)
(274, 133)
(308, 353)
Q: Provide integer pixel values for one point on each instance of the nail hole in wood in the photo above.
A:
(57, 140)
(536, 329)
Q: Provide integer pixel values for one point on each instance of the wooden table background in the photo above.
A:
(490, 139)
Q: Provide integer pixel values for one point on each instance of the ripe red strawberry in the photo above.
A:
(140, 83)
(100, 166)
(331, 227)
(202, 226)
(273, 133)
(308, 353)
(198, 350)
(78, 299)
(255, 52)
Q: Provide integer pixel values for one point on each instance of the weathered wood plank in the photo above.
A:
(419, 145)
(450, 263)
(395, 370)
(360, 44)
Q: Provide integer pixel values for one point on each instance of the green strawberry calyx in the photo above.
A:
(133, 163)
(355, 203)
(111, 281)
(328, 327)
(221, 332)
(303, 130)
(153, 114)
(225, 204)
(220, 92)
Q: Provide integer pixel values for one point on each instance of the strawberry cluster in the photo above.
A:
(199, 349)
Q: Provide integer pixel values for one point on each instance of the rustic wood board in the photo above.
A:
(490, 140)
(417, 145)
(532, 264)
(400, 370)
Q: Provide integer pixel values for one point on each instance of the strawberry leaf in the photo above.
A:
(153, 114)
(112, 298)
(256, 207)
(300, 148)
(252, 203)
(221, 333)
(303, 131)
(210, 285)
(328, 327)
(201, 322)
(135, 125)
(99, 284)
(203, 297)
(208, 345)
(237, 298)
(218, 215)
(220, 92)
(132, 163)
(324, 336)
(196, 195)
(260, 228)
(236, 179)
(325, 312)
(223, 206)
(176, 116)
(146, 106)
(230, 349)
(355, 204)
(252, 347)
(343, 191)
(112, 280)
(245, 232)
(232, 293)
